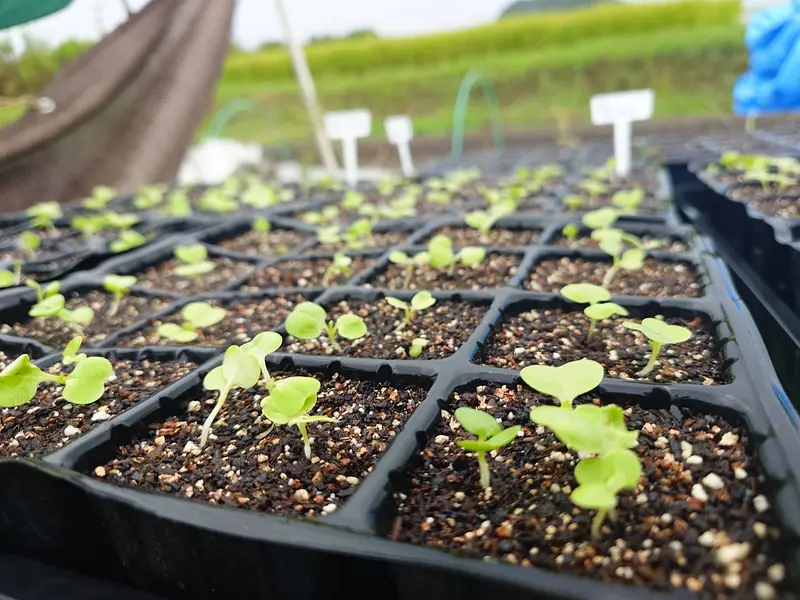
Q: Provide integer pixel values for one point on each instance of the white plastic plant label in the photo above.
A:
(347, 126)
(400, 132)
(620, 109)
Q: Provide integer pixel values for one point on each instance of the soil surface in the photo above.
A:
(585, 241)
(554, 337)
(757, 192)
(49, 422)
(6, 358)
(378, 241)
(246, 318)
(466, 236)
(249, 463)
(495, 271)
(788, 208)
(446, 325)
(303, 273)
(697, 519)
(160, 276)
(274, 243)
(56, 333)
(655, 278)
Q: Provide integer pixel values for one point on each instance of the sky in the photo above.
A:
(256, 21)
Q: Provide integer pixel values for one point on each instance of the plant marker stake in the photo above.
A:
(348, 126)
(620, 109)
(400, 132)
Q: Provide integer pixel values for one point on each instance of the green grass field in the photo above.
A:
(692, 71)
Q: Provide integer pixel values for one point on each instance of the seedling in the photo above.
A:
(630, 260)
(326, 215)
(353, 199)
(420, 301)
(484, 220)
(16, 271)
(238, 370)
(601, 218)
(28, 243)
(119, 286)
(490, 434)
(149, 196)
(127, 240)
(260, 196)
(121, 220)
(660, 334)
(308, 320)
(594, 187)
(177, 205)
(20, 380)
(585, 293)
(7, 279)
(260, 347)
(416, 347)
(196, 316)
(340, 265)
(404, 260)
(359, 234)
(89, 225)
(194, 259)
(43, 214)
(598, 312)
(628, 201)
(216, 200)
(289, 403)
(601, 479)
(570, 233)
(101, 196)
(53, 306)
(767, 178)
(440, 254)
(262, 225)
(564, 383)
(573, 202)
(43, 292)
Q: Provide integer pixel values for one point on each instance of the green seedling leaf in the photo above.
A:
(608, 234)
(587, 428)
(70, 354)
(660, 332)
(631, 260)
(416, 347)
(82, 315)
(565, 383)
(202, 314)
(477, 422)
(7, 279)
(260, 347)
(573, 201)
(127, 240)
(306, 321)
(628, 200)
(600, 218)
(49, 307)
(260, 196)
(149, 196)
(490, 434)
(340, 265)
(86, 383)
(289, 403)
(440, 251)
(585, 293)
(613, 246)
(397, 303)
(44, 213)
(605, 310)
(19, 382)
(121, 221)
(176, 333)
(351, 327)
(471, 255)
(190, 254)
(399, 258)
(422, 300)
(118, 284)
(570, 232)
(195, 269)
(261, 225)
(352, 200)
(28, 242)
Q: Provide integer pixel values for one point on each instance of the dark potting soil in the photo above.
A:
(554, 337)
(302, 273)
(246, 318)
(6, 358)
(446, 325)
(655, 278)
(378, 241)
(787, 208)
(160, 276)
(534, 204)
(49, 422)
(56, 333)
(466, 236)
(585, 241)
(495, 271)
(755, 192)
(276, 242)
(249, 463)
(697, 519)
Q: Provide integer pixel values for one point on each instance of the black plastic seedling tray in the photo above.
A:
(53, 510)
